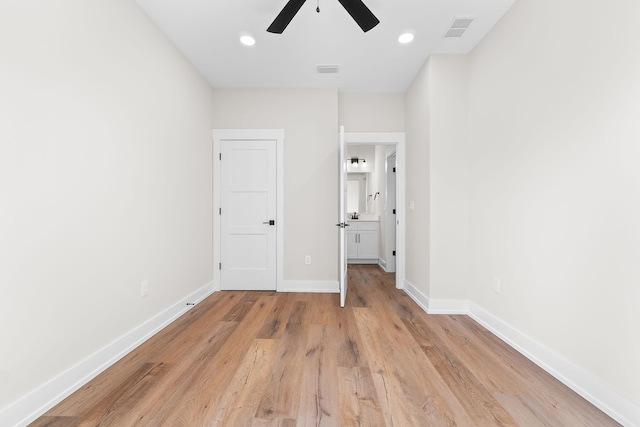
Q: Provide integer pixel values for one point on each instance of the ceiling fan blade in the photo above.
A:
(360, 13)
(285, 16)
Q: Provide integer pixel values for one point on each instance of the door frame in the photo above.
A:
(397, 139)
(249, 135)
(390, 218)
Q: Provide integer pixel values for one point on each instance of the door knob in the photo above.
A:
(270, 222)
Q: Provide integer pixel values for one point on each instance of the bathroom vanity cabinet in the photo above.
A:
(363, 241)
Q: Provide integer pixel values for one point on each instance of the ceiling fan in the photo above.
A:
(358, 11)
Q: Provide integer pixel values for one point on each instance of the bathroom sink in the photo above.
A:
(366, 217)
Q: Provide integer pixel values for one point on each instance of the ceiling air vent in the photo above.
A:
(458, 27)
(327, 69)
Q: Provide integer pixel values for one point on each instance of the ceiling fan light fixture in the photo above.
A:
(406, 37)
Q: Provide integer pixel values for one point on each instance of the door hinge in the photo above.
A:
(220, 211)
(394, 170)
(394, 253)
(219, 266)
(394, 211)
(220, 157)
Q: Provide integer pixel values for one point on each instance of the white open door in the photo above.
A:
(343, 219)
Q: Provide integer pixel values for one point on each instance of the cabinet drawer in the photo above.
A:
(368, 226)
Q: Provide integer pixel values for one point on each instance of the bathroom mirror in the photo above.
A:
(357, 192)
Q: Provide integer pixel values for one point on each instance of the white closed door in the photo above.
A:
(248, 205)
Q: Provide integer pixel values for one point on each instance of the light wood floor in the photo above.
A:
(269, 359)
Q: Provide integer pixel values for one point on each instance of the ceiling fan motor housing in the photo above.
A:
(356, 8)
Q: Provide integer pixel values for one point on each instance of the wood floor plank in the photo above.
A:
(277, 320)
(429, 400)
(241, 308)
(201, 394)
(281, 395)
(395, 409)
(357, 294)
(350, 348)
(176, 390)
(527, 410)
(359, 403)
(118, 406)
(276, 422)
(272, 359)
(319, 394)
(481, 359)
(240, 400)
(474, 397)
(317, 307)
(54, 421)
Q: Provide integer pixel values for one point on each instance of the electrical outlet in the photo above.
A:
(307, 259)
(144, 289)
(497, 285)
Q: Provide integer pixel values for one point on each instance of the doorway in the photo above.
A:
(248, 209)
(392, 216)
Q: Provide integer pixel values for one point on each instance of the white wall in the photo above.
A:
(417, 116)
(554, 108)
(448, 178)
(438, 181)
(310, 121)
(105, 181)
(371, 112)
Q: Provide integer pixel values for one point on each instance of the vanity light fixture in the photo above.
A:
(356, 161)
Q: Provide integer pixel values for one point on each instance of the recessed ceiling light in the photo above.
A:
(406, 38)
(247, 40)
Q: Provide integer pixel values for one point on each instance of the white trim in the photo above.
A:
(390, 217)
(436, 306)
(397, 139)
(312, 286)
(448, 306)
(243, 135)
(382, 264)
(368, 261)
(417, 296)
(26, 409)
(586, 385)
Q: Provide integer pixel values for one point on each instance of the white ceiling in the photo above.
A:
(207, 33)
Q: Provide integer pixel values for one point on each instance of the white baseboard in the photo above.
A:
(312, 286)
(448, 306)
(591, 388)
(436, 306)
(417, 296)
(382, 264)
(26, 409)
